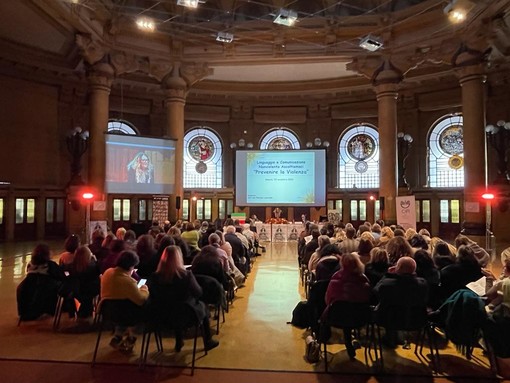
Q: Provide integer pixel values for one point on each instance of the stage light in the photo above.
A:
(188, 3)
(224, 37)
(371, 43)
(457, 10)
(286, 17)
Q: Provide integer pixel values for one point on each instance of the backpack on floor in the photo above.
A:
(301, 315)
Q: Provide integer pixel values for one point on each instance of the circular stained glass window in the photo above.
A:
(279, 143)
(201, 148)
(361, 166)
(451, 140)
(361, 146)
(201, 167)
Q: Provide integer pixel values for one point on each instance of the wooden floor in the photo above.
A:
(256, 342)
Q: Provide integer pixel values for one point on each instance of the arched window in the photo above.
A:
(446, 153)
(203, 159)
(358, 158)
(121, 127)
(279, 139)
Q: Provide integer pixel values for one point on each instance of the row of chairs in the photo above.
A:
(357, 317)
(183, 318)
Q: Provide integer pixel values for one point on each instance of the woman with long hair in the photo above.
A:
(83, 282)
(146, 251)
(172, 284)
(377, 266)
(397, 247)
(349, 284)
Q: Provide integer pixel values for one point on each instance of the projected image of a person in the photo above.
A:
(140, 169)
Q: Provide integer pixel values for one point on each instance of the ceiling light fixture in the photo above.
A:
(188, 3)
(371, 43)
(286, 17)
(224, 37)
(146, 24)
(457, 10)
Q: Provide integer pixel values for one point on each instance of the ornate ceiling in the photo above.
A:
(54, 36)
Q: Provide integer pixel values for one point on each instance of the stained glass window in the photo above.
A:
(203, 159)
(358, 158)
(279, 139)
(446, 153)
(121, 127)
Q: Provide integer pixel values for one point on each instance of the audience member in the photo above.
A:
(172, 284)
(117, 283)
(36, 295)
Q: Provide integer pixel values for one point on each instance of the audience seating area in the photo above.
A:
(251, 324)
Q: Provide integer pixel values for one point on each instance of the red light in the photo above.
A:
(87, 195)
(488, 196)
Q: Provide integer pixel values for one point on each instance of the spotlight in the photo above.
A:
(146, 24)
(457, 10)
(224, 37)
(371, 43)
(188, 3)
(285, 17)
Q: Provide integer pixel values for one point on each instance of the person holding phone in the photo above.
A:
(118, 283)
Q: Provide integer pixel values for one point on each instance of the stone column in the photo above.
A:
(472, 80)
(385, 76)
(100, 79)
(387, 123)
(175, 98)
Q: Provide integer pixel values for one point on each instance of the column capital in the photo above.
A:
(469, 62)
(182, 77)
(469, 73)
(100, 76)
(389, 89)
(473, 55)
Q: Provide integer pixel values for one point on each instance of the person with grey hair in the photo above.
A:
(214, 240)
(238, 250)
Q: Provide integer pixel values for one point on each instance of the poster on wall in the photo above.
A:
(406, 211)
(264, 231)
(160, 209)
(97, 225)
(279, 233)
(293, 231)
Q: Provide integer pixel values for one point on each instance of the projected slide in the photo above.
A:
(139, 165)
(284, 177)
